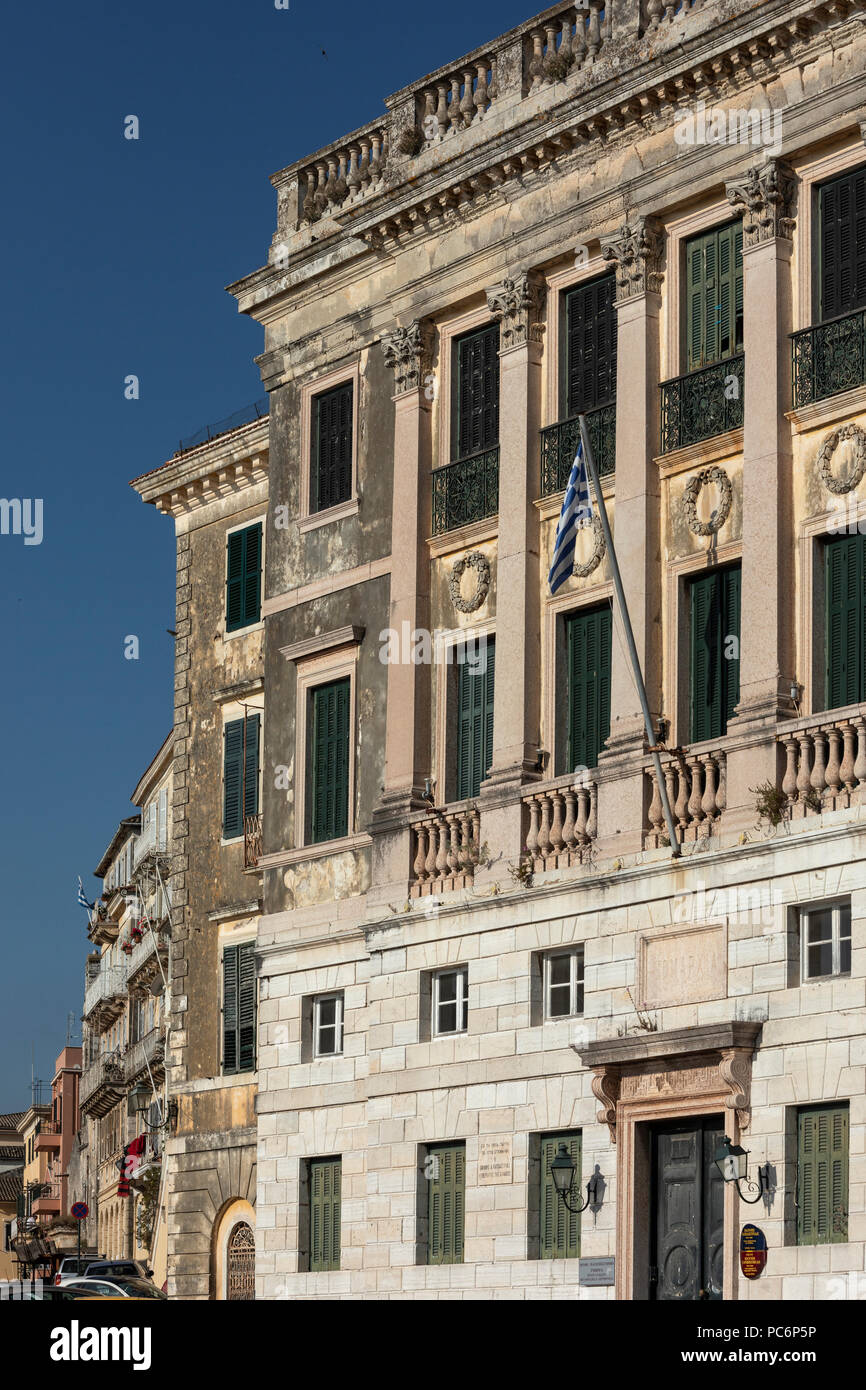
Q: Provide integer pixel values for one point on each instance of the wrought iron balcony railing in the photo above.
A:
(149, 1051)
(828, 358)
(101, 1084)
(252, 841)
(559, 446)
(108, 984)
(466, 491)
(702, 404)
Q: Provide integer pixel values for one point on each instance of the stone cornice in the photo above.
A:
(230, 464)
(679, 1042)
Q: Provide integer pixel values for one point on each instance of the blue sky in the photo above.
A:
(116, 253)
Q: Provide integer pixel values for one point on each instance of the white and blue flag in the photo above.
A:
(576, 513)
(82, 897)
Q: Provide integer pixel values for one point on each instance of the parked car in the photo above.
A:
(114, 1288)
(110, 1269)
(73, 1267)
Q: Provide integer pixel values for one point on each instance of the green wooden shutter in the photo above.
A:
(476, 681)
(233, 821)
(822, 1178)
(477, 393)
(845, 639)
(244, 578)
(247, 1007)
(591, 328)
(230, 1009)
(329, 791)
(714, 295)
(559, 1228)
(325, 1189)
(842, 244)
(331, 464)
(251, 775)
(446, 1205)
(714, 689)
(589, 659)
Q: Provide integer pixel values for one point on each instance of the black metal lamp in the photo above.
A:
(563, 1170)
(733, 1164)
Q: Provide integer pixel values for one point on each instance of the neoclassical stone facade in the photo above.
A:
(475, 941)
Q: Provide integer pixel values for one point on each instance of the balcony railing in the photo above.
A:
(561, 823)
(110, 983)
(446, 849)
(150, 841)
(697, 790)
(101, 1083)
(252, 841)
(702, 404)
(466, 491)
(825, 763)
(149, 1051)
(828, 358)
(559, 447)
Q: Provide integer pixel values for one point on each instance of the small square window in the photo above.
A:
(563, 984)
(450, 999)
(825, 941)
(328, 1025)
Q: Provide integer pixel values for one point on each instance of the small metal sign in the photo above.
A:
(597, 1273)
(80, 1210)
(753, 1251)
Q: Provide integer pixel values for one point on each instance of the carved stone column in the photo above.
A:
(766, 199)
(636, 254)
(408, 352)
(519, 303)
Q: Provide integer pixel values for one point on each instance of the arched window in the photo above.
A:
(241, 1264)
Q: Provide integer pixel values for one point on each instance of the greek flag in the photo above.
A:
(576, 513)
(82, 898)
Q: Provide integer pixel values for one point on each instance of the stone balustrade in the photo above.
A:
(825, 764)
(657, 12)
(564, 43)
(456, 99)
(697, 790)
(343, 176)
(447, 848)
(562, 822)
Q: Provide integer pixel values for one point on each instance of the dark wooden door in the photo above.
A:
(687, 1232)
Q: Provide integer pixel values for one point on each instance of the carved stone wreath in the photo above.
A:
(580, 571)
(828, 449)
(690, 501)
(474, 560)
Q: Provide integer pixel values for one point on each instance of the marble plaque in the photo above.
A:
(686, 966)
(494, 1159)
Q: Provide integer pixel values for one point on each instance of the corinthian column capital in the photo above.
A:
(518, 302)
(766, 199)
(409, 354)
(636, 255)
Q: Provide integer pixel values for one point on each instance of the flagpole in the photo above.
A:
(676, 848)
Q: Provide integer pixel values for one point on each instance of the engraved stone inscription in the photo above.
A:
(682, 967)
(494, 1159)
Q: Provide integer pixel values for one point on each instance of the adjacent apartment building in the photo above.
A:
(217, 494)
(117, 1163)
(476, 951)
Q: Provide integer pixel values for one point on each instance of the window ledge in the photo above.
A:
(462, 536)
(828, 411)
(308, 852)
(338, 513)
(706, 451)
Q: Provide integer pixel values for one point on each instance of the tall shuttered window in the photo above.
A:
(328, 799)
(239, 1008)
(845, 623)
(590, 359)
(714, 637)
(475, 687)
(244, 578)
(475, 410)
(714, 295)
(331, 437)
(822, 1175)
(325, 1184)
(588, 645)
(446, 1164)
(842, 244)
(241, 761)
(558, 1228)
